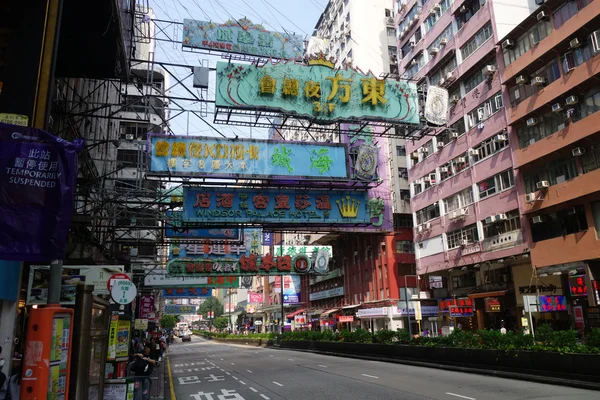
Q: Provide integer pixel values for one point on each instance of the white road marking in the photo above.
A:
(460, 395)
(232, 364)
(270, 355)
(251, 388)
(264, 397)
(242, 382)
(236, 378)
(291, 359)
(249, 370)
(227, 373)
(221, 359)
(322, 366)
(277, 383)
(370, 376)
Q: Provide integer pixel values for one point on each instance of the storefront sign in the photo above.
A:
(246, 158)
(492, 305)
(372, 312)
(280, 206)
(186, 293)
(176, 309)
(38, 173)
(267, 239)
(527, 282)
(176, 228)
(242, 37)
(579, 320)
(162, 279)
(553, 303)
(251, 265)
(444, 305)
(255, 297)
(577, 285)
(535, 288)
(316, 91)
(294, 250)
(596, 285)
(112, 337)
(140, 324)
(291, 288)
(13, 119)
(425, 310)
(461, 311)
(325, 294)
(300, 319)
(147, 310)
(346, 318)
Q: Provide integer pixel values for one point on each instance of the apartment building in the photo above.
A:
(469, 242)
(552, 99)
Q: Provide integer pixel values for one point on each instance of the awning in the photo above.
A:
(330, 311)
(349, 307)
(292, 315)
(488, 294)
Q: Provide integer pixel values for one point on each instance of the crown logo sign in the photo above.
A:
(348, 207)
(321, 59)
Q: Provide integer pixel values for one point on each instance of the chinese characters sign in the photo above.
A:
(316, 91)
(162, 279)
(492, 304)
(577, 285)
(37, 177)
(242, 37)
(179, 309)
(251, 244)
(302, 206)
(147, 310)
(553, 303)
(461, 307)
(183, 292)
(176, 228)
(246, 265)
(245, 158)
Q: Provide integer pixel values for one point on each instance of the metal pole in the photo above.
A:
(281, 280)
(407, 307)
(54, 282)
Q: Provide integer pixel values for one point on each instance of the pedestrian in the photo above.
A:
(502, 329)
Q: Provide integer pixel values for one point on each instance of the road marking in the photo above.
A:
(254, 390)
(227, 373)
(322, 366)
(264, 397)
(172, 387)
(221, 359)
(249, 370)
(277, 383)
(291, 359)
(232, 364)
(370, 376)
(242, 382)
(461, 396)
(236, 378)
(270, 355)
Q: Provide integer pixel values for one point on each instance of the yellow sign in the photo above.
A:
(140, 324)
(14, 119)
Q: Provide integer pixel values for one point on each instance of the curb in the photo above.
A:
(448, 367)
(170, 378)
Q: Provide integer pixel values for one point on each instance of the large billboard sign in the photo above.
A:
(176, 228)
(163, 280)
(176, 309)
(316, 91)
(241, 37)
(275, 206)
(186, 293)
(246, 158)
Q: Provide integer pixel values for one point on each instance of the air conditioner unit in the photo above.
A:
(420, 228)
(557, 107)
(454, 135)
(454, 215)
(434, 51)
(542, 185)
(422, 150)
(426, 179)
(532, 122)
(501, 217)
(443, 41)
(538, 219)
(463, 211)
(543, 16)
(530, 197)
(595, 38)
(578, 151)
(571, 211)
(428, 225)
(440, 145)
(538, 81)
(455, 99)
(520, 80)
(450, 76)
(480, 113)
(473, 152)
(490, 219)
(390, 20)
(414, 155)
(461, 160)
(571, 100)
(500, 138)
(129, 136)
(464, 242)
(443, 169)
(507, 44)
(575, 43)
(490, 70)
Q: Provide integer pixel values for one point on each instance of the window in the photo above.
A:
(446, 35)
(485, 110)
(526, 41)
(465, 280)
(406, 49)
(404, 246)
(511, 223)
(458, 200)
(590, 160)
(429, 180)
(555, 172)
(459, 126)
(449, 66)
(400, 151)
(127, 158)
(428, 148)
(496, 184)
(596, 214)
(465, 235)
(428, 213)
(560, 223)
(417, 187)
(567, 11)
(476, 41)
(454, 166)
(435, 13)
(415, 65)
(408, 18)
(466, 13)
(478, 76)
(490, 146)
(403, 221)
(391, 32)
(576, 57)
(402, 172)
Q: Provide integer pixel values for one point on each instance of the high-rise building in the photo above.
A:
(469, 240)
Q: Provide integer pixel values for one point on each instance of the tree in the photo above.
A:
(168, 321)
(221, 323)
(210, 304)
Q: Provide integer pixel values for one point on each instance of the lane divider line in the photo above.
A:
(249, 370)
(254, 390)
(322, 366)
(370, 376)
(264, 397)
(242, 382)
(277, 383)
(460, 395)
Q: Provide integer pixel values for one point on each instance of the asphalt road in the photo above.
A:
(204, 370)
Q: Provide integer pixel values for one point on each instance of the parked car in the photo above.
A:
(186, 336)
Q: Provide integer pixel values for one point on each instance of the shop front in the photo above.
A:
(374, 319)
(456, 313)
(422, 318)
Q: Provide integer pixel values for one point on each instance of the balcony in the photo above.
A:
(503, 241)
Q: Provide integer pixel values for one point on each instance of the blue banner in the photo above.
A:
(38, 173)
(246, 158)
(175, 228)
(10, 274)
(184, 292)
(301, 206)
(176, 309)
(267, 238)
(242, 37)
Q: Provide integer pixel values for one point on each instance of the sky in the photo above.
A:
(299, 17)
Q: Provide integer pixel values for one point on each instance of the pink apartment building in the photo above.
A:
(468, 229)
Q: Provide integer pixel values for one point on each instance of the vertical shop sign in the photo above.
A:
(123, 338)
(112, 337)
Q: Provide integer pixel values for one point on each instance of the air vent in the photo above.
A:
(571, 100)
(575, 43)
(543, 16)
(542, 185)
(532, 122)
(530, 197)
(557, 107)
(578, 151)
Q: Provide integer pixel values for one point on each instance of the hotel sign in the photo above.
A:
(246, 158)
(176, 309)
(281, 206)
(242, 37)
(316, 91)
(325, 294)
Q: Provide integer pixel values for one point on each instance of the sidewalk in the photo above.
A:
(158, 379)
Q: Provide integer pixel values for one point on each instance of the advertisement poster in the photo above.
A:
(291, 288)
(123, 338)
(112, 337)
(147, 310)
(38, 173)
(59, 355)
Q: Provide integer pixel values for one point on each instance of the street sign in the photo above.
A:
(123, 291)
(110, 280)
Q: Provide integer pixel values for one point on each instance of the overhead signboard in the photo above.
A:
(176, 228)
(242, 37)
(252, 265)
(316, 91)
(251, 244)
(162, 279)
(177, 309)
(280, 206)
(186, 293)
(246, 158)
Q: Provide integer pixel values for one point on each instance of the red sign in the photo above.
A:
(300, 319)
(577, 285)
(346, 318)
(147, 310)
(115, 276)
(462, 302)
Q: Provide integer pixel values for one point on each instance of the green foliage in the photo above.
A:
(402, 336)
(592, 339)
(385, 337)
(543, 333)
(225, 335)
(168, 321)
(211, 304)
(221, 323)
